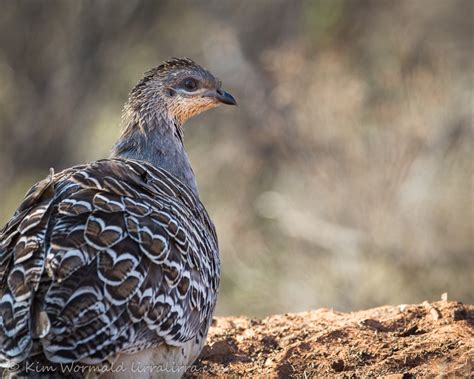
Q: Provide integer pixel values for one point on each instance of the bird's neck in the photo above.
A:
(157, 139)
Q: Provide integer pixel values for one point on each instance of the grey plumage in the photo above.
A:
(157, 108)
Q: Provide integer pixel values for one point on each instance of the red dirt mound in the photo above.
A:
(399, 342)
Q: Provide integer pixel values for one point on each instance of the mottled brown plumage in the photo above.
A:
(117, 256)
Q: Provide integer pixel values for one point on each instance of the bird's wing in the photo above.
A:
(110, 257)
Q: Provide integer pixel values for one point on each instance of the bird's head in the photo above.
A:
(180, 87)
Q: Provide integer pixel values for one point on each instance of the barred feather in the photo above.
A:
(103, 258)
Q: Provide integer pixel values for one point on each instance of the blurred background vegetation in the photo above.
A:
(344, 177)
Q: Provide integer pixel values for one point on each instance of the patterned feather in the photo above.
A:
(113, 256)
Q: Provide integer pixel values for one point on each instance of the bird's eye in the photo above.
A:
(190, 84)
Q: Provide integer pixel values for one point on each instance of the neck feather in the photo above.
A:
(157, 139)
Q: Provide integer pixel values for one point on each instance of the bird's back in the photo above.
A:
(113, 256)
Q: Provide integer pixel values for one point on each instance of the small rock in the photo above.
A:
(435, 314)
(444, 296)
(433, 311)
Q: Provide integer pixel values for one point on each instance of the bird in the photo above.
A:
(116, 261)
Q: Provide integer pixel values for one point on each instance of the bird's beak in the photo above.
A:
(223, 97)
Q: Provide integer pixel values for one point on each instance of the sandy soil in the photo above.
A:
(404, 341)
